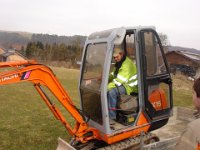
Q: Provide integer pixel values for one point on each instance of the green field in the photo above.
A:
(26, 122)
(182, 91)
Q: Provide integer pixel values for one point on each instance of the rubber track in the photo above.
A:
(134, 143)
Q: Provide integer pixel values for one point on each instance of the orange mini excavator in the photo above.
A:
(152, 105)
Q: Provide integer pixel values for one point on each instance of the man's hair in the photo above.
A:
(196, 86)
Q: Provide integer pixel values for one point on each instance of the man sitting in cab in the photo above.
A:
(123, 80)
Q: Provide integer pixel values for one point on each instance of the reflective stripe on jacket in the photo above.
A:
(127, 75)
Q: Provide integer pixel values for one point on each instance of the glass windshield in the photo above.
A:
(93, 68)
(91, 81)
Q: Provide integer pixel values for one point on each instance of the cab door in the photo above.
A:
(157, 82)
(90, 85)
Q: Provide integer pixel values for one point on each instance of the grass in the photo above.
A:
(27, 123)
(25, 120)
(182, 91)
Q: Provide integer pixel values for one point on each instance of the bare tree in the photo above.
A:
(164, 39)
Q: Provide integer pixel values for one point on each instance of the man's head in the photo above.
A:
(118, 54)
(196, 93)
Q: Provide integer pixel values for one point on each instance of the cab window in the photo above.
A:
(90, 83)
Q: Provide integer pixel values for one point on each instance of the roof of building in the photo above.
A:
(7, 53)
(192, 56)
(2, 50)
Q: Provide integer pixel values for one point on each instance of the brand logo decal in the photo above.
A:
(25, 75)
(9, 77)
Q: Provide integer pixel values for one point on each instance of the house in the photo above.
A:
(185, 62)
(10, 55)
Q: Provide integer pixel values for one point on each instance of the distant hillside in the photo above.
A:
(13, 39)
(51, 39)
(18, 39)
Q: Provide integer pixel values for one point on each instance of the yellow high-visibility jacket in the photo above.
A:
(127, 76)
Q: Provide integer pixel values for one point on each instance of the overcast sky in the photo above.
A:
(179, 19)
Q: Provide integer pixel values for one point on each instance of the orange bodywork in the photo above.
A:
(142, 125)
(158, 99)
(198, 146)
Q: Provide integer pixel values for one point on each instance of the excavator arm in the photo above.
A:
(41, 75)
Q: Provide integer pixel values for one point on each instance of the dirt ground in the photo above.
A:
(177, 123)
(170, 133)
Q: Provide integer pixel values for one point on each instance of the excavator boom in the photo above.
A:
(41, 75)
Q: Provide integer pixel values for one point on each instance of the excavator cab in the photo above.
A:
(152, 103)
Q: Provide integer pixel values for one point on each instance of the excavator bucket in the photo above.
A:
(63, 145)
